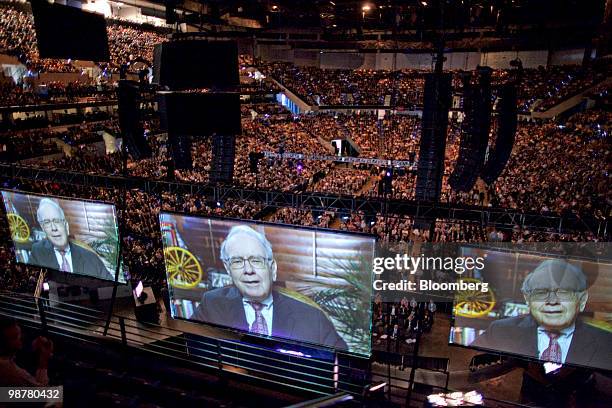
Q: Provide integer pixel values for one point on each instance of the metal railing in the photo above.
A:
(497, 217)
(310, 375)
(323, 402)
(333, 381)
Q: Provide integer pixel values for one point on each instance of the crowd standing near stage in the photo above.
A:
(397, 324)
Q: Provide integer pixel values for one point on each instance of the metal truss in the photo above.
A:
(56, 106)
(485, 216)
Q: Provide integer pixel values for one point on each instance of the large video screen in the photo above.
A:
(555, 308)
(191, 64)
(200, 114)
(291, 283)
(68, 32)
(71, 236)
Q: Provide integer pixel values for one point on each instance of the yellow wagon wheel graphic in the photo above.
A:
(183, 269)
(474, 303)
(20, 232)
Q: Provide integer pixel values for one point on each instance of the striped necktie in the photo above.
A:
(65, 265)
(259, 326)
(553, 352)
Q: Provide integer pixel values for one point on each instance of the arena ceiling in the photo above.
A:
(398, 15)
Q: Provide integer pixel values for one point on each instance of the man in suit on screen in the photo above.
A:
(556, 292)
(251, 304)
(56, 251)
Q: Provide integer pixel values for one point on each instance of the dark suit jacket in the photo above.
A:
(291, 319)
(589, 347)
(400, 334)
(84, 262)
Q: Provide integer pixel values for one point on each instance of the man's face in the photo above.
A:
(253, 281)
(12, 339)
(55, 226)
(554, 306)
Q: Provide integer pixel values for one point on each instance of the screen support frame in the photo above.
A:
(121, 207)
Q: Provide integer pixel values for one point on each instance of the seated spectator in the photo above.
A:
(11, 342)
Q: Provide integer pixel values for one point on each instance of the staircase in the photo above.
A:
(366, 187)
(567, 104)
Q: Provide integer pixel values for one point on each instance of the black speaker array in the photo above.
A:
(437, 102)
(254, 158)
(171, 17)
(69, 32)
(130, 120)
(179, 148)
(507, 122)
(223, 155)
(199, 114)
(182, 66)
(475, 135)
(193, 64)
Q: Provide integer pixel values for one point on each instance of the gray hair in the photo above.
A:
(244, 229)
(556, 265)
(53, 203)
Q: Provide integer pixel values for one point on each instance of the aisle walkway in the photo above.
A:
(366, 187)
(568, 103)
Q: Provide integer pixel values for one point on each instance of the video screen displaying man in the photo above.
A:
(75, 237)
(251, 305)
(554, 327)
(556, 293)
(258, 284)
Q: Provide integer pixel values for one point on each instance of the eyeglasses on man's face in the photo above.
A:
(237, 263)
(54, 221)
(544, 294)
